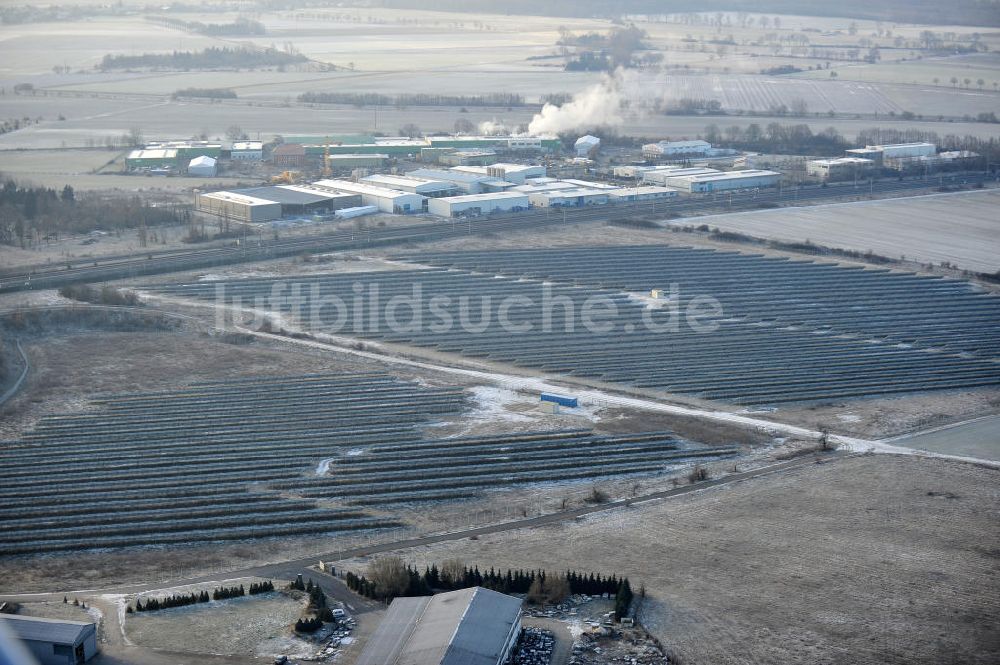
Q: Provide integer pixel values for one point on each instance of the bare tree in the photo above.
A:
(452, 571)
(389, 575)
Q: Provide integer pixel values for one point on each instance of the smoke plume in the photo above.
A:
(616, 98)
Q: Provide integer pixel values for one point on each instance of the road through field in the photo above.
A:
(979, 437)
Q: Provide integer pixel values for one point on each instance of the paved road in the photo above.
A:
(153, 262)
(979, 438)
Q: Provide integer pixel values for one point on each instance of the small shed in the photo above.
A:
(53, 641)
(202, 167)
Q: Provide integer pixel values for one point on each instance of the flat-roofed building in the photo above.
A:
(675, 148)
(641, 193)
(515, 173)
(661, 176)
(467, 627)
(724, 181)
(247, 151)
(54, 641)
(579, 196)
(842, 168)
(425, 186)
(479, 157)
(478, 204)
(470, 183)
(386, 199)
(151, 158)
(238, 207)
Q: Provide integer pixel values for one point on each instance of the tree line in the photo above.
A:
(213, 57)
(30, 215)
(318, 605)
(181, 600)
(412, 99)
(239, 27)
(390, 577)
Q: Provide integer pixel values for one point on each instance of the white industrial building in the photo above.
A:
(387, 200)
(883, 153)
(730, 180)
(662, 177)
(470, 183)
(466, 627)
(50, 641)
(674, 148)
(579, 196)
(838, 169)
(478, 204)
(424, 186)
(641, 193)
(202, 167)
(586, 145)
(515, 173)
(247, 151)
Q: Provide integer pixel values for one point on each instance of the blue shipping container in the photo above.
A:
(561, 400)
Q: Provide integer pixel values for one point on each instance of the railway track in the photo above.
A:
(153, 262)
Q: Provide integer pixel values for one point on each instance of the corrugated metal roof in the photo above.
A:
(285, 195)
(47, 630)
(465, 627)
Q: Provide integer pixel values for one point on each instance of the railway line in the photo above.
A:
(49, 276)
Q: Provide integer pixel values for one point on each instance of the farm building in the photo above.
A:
(289, 154)
(478, 204)
(427, 187)
(151, 158)
(52, 641)
(663, 149)
(641, 193)
(469, 158)
(386, 199)
(842, 168)
(580, 196)
(202, 167)
(661, 176)
(515, 173)
(470, 183)
(247, 151)
(719, 182)
(586, 145)
(467, 627)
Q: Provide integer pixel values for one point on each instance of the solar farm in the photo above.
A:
(278, 456)
(800, 330)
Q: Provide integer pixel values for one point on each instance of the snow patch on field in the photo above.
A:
(120, 601)
(323, 467)
(491, 404)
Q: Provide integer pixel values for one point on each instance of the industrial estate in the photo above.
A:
(376, 333)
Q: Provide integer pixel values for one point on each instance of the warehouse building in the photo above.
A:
(385, 199)
(842, 168)
(469, 158)
(202, 167)
(663, 149)
(427, 187)
(662, 176)
(151, 158)
(641, 193)
(470, 183)
(579, 196)
(478, 204)
(247, 151)
(188, 150)
(515, 173)
(467, 627)
(237, 207)
(52, 641)
(882, 153)
(347, 162)
(720, 182)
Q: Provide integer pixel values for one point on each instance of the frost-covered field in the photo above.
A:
(961, 228)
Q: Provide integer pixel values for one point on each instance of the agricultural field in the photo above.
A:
(805, 331)
(961, 229)
(859, 560)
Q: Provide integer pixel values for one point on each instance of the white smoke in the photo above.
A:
(624, 95)
(493, 127)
